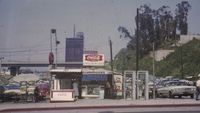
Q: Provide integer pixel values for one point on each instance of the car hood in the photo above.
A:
(175, 87)
(172, 87)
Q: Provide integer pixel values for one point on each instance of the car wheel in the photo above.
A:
(179, 96)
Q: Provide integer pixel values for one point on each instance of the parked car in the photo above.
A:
(44, 90)
(2, 89)
(12, 92)
(27, 86)
(176, 88)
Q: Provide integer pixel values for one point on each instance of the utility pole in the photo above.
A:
(154, 86)
(137, 51)
(51, 40)
(56, 50)
(111, 62)
(182, 76)
(53, 31)
(111, 54)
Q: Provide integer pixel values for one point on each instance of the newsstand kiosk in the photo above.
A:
(61, 84)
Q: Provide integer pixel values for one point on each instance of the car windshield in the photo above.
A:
(176, 84)
(9, 87)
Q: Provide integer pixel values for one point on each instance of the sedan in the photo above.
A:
(176, 88)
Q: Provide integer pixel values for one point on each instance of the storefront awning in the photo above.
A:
(96, 71)
(66, 70)
(97, 77)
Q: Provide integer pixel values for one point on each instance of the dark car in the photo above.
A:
(2, 89)
(44, 90)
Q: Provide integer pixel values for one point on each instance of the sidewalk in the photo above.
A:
(98, 103)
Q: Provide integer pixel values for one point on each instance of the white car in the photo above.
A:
(176, 88)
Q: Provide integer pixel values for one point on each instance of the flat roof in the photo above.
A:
(66, 70)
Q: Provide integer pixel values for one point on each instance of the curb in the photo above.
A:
(98, 107)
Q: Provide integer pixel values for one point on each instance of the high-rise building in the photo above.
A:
(74, 48)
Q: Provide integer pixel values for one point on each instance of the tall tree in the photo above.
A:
(181, 16)
(154, 26)
(158, 26)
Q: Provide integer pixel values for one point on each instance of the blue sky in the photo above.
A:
(25, 24)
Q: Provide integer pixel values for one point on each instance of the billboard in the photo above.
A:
(93, 59)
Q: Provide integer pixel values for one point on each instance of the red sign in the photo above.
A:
(51, 58)
(93, 58)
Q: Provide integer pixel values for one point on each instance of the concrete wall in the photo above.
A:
(186, 38)
(161, 54)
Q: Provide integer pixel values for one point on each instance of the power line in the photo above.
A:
(18, 50)
(29, 52)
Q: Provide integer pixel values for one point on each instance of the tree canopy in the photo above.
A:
(158, 26)
(163, 28)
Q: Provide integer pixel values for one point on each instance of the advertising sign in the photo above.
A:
(62, 96)
(93, 60)
(118, 84)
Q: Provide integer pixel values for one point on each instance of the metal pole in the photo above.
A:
(56, 49)
(53, 31)
(146, 85)
(111, 55)
(182, 76)
(51, 41)
(137, 47)
(111, 61)
(124, 79)
(133, 86)
(154, 88)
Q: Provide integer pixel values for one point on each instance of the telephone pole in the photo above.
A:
(154, 86)
(111, 60)
(111, 54)
(53, 31)
(182, 76)
(137, 51)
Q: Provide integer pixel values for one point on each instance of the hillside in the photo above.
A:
(184, 61)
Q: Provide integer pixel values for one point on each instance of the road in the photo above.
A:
(122, 110)
(106, 106)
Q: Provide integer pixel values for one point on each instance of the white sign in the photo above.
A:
(118, 84)
(62, 96)
(93, 59)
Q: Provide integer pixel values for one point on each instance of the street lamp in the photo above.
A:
(53, 31)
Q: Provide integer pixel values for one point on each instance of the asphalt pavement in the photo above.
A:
(121, 110)
(85, 104)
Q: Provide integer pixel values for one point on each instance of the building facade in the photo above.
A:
(74, 48)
